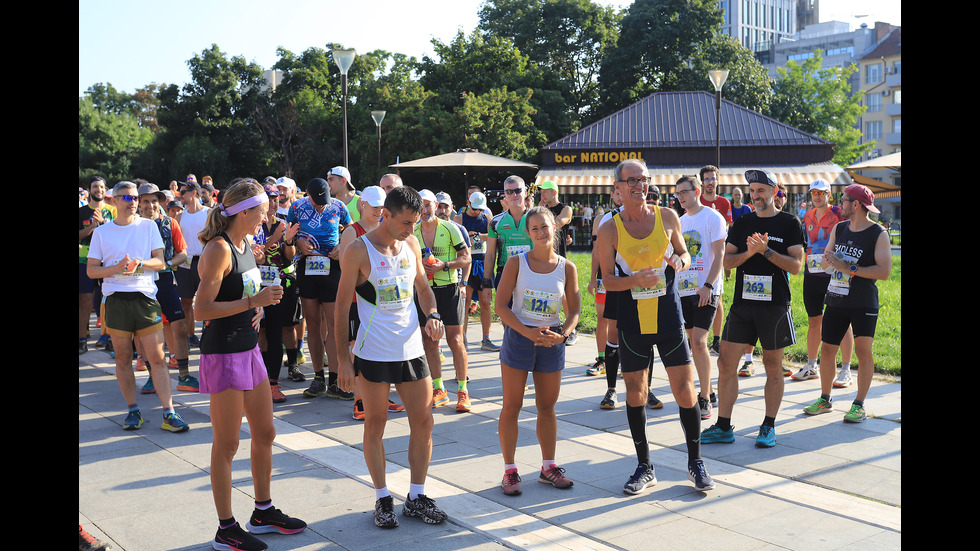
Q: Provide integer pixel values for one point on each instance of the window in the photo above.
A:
(897, 126)
(872, 131)
(872, 74)
(873, 101)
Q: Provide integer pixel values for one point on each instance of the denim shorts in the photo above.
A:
(519, 352)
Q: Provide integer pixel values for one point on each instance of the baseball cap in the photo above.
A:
(343, 173)
(147, 189)
(760, 176)
(427, 195)
(374, 196)
(478, 200)
(286, 182)
(271, 190)
(548, 184)
(173, 204)
(820, 184)
(862, 194)
(318, 191)
(191, 185)
(443, 197)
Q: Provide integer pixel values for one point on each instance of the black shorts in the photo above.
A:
(636, 349)
(449, 304)
(701, 317)
(188, 280)
(814, 291)
(391, 372)
(836, 320)
(290, 298)
(168, 297)
(322, 288)
(475, 281)
(770, 324)
(611, 308)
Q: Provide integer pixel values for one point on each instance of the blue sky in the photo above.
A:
(132, 43)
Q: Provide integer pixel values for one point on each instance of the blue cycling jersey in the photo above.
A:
(321, 229)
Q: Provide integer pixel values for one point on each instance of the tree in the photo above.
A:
(568, 37)
(109, 141)
(816, 99)
(748, 83)
(656, 40)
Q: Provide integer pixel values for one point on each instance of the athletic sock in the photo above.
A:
(224, 524)
(691, 423)
(381, 492)
(748, 357)
(769, 422)
(612, 364)
(263, 505)
(414, 490)
(331, 378)
(724, 423)
(437, 384)
(858, 403)
(826, 397)
(637, 418)
(462, 385)
(182, 367)
(291, 355)
(547, 464)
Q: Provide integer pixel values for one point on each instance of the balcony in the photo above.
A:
(893, 109)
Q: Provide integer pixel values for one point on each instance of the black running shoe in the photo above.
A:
(236, 539)
(273, 520)
(384, 513)
(424, 508)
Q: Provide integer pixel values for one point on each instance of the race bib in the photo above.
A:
(814, 264)
(317, 265)
(658, 290)
(394, 292)
(270, 275)
(541, 305)
(687, 283)
(840, 283)
(514, 250)
(251, 282)
(479, 245)
(757, 287)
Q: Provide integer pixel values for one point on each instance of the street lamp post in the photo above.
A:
(718, 78)
(344, 59)
(378, 116)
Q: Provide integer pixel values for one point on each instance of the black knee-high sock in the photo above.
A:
(612, 365)
(691, 423)
(637, 418)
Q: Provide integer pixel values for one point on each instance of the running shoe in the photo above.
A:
(172, 363)
(88, 542)
(277, 396)
(334, 391)
(511, 483)
(193, 340)
(716, 345)
(473, 307)
(787, 371)
(700, 477)
(713, 398)
(358, 414)
(236, 539)
(596, 368)
(82, 346)
(556, 477)
(424, 508)
(572, 338)
(188, 384)
(747, 370)
(384, 513)
(317, 388)
(148, 387)
(173, 423)
(643, 477)
(856, 414)
(463, 401)
(395, 407)
(806, 373)
(609, 400)
(820, 406)
(843, 379)
(766, 438)
(273, 520)
(102, 341)
(439, 397)
(704, 405)
(133, 420)
(487, 344)
(653, 402)
(140, 364)
(300, 357)
(714, 435)
(295, 374)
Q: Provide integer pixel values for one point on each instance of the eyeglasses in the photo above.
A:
(633, 182)
(682, 191)
(515, 191)
(128, 198)
(710, 180)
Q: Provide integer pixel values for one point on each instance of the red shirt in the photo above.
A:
(721, 205)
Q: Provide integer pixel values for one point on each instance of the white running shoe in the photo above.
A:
(806, 373)
(843, 379)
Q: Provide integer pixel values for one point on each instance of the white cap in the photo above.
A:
(428, 196)
(478, 200)
(443, 198)
(374, 196)
(286, 183)
(820, 184)
(343, 173)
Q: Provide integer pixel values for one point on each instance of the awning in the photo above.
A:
(879, 188)
(599, 180)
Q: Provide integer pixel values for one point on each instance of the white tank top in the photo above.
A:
(537, 298)
(190, 226)
(389, 329)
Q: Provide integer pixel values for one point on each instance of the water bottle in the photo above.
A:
(428, 258)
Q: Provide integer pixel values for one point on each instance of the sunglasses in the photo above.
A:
(817, 193)
(516, 191)
(128, 198)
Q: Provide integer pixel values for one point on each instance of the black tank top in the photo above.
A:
(234, 333)
(858, 248)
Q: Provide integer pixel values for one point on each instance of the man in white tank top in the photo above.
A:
(385, 267)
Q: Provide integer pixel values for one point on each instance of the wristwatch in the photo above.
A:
(709, 285)
(445, 266)
(853, 269)
(434, 316)
(768, 253)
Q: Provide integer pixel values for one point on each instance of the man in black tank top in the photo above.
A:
(859, 251)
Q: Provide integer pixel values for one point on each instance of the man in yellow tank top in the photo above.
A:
(647, 246)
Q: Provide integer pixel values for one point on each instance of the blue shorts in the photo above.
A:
(168, 297)
(519, 352)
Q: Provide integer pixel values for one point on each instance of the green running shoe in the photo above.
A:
(822, 405)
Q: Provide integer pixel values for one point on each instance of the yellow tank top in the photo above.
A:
(635, 254)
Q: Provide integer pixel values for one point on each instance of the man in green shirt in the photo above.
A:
(506, 235)
(447, 254)
(341, 188)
